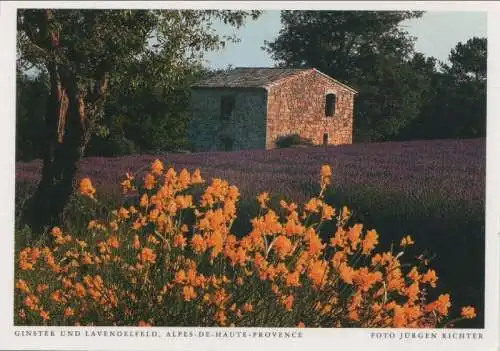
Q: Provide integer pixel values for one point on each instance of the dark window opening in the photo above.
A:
(226, 107)
(325, 139)
(330, 105)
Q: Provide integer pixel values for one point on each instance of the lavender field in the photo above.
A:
(433, 190)
(453, 170)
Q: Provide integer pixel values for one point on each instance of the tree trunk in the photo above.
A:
(68, 121)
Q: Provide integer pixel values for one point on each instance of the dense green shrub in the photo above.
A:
(292, 140)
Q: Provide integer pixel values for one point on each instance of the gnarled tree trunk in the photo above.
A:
(72, 109)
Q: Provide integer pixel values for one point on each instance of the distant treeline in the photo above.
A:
(404, 95)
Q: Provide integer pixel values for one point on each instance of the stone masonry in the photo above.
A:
(268, 103)
(297, 105)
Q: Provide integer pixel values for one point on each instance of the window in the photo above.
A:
(330, 104)
(226, 107)
(325, 139)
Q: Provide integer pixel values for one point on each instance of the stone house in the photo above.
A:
(249, 108)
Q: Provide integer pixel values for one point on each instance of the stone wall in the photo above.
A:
(297, 105)
(246, 127)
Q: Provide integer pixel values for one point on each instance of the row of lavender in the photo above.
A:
(448, 169)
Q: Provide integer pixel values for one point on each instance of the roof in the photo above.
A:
(256, 77)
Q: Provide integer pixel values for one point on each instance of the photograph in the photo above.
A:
(200, 172)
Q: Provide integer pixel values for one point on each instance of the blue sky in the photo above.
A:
(436, 32)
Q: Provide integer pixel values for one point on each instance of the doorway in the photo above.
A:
(325, 139)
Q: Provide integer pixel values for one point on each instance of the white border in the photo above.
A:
(312, 338)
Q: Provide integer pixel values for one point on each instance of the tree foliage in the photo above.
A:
(89, 53)
(456, 105)
(402, 94)
(31, 97)
(365, 49)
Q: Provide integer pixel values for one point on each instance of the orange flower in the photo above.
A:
(196, 177)
(198, 244)
(28, 258)
(184, 178)
(56, 296)
(283, 246)
(399, 318)
(143, 324)
(339, 239)
(395, 280)
(180, 276)
(66, 283)
(179, 241)
(313, 205)
(113, 242)
(86, 188)
(345, 215)
(430, 277)
(406, 241)
(317, 272)
(127, 183)
(56, 232)
(326, 171)
(365, 279)
(468, 312)
(86, 258)
(136, 244)
(157, 167)
(326, 174)
(346, 273)
(220, 297)
(144, 201)
(338, 258)
(271, 222)
(149, 181)
(369, 242)
(293, 279)
(188, 293)
(123, 213)
(327, 212)
(152, 239)
(353, 315)
(113, 225)
(354, 235)
(31, 301)
(41, 288)
(263, 198)
(301, 325)
(441, 305)
(412, 292)
(146, 255)
(45, 315)
(376, 308)
(216, 241)
(414, 275)
(247, 307)
(314, 244)
(22, 286)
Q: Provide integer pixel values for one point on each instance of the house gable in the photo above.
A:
(258, 105)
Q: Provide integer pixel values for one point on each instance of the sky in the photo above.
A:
(436, 32)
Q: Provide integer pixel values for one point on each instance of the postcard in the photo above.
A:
(276, 175)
